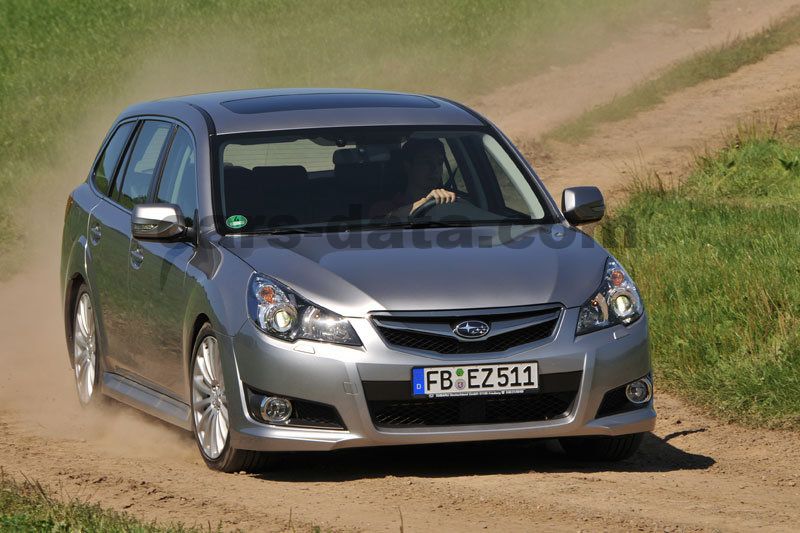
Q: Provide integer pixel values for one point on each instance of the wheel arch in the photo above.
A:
(199, 321)
(190, 338)
(73, 285)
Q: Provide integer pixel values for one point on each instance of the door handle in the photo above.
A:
(96, 233)
(137, 257)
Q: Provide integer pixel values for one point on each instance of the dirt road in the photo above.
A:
(693, 473)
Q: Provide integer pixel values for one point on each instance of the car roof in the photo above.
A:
(287, 109)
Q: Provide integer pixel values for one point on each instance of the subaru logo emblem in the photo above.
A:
(472, 329)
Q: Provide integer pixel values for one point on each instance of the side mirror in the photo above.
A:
(157, 222)
(582, 205)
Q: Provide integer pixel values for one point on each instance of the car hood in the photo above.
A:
(430, 269)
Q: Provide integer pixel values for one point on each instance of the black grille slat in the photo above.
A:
(471, 410)
(449, 345)
(315, 414)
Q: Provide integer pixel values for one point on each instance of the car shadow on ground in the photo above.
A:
(470, 459)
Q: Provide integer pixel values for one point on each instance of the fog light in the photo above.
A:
(639, 391)
(275, 409)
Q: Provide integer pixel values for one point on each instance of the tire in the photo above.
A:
(602, 448)
(86, 361)
(209, 410)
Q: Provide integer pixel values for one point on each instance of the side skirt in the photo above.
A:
(147, 400)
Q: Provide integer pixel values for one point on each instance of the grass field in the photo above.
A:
(28, 507)
(707, 65)
(716, 259)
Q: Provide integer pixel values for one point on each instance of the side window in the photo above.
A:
(179, 182)
(142, 163)
(104, 170)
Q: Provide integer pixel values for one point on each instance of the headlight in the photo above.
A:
(282, 313)
(616, 301)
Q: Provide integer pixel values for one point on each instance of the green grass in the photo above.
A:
(716, 259)
(28, 507)
(711, 64)
(64, 63)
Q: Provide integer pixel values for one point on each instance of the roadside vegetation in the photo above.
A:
(716, 258)
(28, 507)
(710, 64)
(65, 63)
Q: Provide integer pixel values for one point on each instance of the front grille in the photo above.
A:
(392, 405)
(449, 345)
(471, 410)
(615, 401)
(435, 333)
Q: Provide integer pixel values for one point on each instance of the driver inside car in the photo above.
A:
(423, 161)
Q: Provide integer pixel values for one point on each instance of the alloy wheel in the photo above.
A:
(85, 349)
(209, 404)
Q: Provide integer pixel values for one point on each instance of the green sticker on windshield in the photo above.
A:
(236, 221)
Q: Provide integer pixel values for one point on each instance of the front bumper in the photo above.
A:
(335, 375)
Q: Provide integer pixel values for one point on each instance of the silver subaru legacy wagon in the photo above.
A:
(316, 269)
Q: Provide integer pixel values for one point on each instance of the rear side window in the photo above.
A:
(104, 170)
(142, 163)
(178, 182)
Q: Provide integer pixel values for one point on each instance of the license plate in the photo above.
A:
(473, 380)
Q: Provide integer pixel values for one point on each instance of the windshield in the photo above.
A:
(364, 178)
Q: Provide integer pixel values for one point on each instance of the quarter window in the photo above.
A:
(142, 163)
(104, 170)
(178, 182)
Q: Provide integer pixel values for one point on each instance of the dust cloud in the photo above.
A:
(37, 388)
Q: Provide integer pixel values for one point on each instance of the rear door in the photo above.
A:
(159, 286)
(107, 256)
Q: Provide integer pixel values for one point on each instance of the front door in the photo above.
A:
(137, 177)
(159, 285)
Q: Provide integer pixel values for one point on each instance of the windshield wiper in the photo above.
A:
(520, 221)
(405, 225)
(288, 231)
(409, 224)
(415, 224)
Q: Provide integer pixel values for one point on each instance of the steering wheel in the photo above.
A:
(429, 204)
(424, 208)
